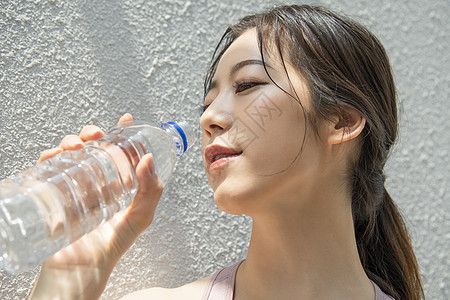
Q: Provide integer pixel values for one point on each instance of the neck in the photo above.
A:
(304, 253)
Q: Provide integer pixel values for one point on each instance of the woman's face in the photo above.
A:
(253, 132)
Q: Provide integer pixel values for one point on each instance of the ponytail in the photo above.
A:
(386, 252)
(383, 242)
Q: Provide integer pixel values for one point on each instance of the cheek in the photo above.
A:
(279, 145)
(277, 154)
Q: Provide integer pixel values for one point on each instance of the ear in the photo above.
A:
(346, 126)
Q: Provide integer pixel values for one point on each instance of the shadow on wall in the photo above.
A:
(128, 42)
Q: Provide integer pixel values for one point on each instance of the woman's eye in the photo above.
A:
(245, 85)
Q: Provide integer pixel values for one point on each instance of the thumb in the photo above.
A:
(140, 213)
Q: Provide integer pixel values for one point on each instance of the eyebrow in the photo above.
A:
(244, 63)
(239, 66)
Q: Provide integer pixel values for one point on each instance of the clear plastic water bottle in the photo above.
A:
(47, 207)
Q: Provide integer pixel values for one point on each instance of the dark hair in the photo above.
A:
(345, 65)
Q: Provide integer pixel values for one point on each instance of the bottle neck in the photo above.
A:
(179, 137)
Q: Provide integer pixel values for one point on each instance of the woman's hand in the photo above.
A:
(81, 270)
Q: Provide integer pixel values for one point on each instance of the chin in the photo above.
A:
(226, 203)
(233, 200)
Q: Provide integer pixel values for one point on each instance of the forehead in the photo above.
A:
(243, 48)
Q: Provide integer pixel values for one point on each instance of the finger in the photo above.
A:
(146, 174)
(71, 142)
(130, 224)
(126, 118)
(46, 154)
(91, 133)
(150, 187)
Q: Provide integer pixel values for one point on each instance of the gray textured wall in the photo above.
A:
(64, 64)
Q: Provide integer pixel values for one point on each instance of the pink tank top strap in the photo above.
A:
(221, 285)
(379, 294)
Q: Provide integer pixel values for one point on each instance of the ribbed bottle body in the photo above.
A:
(47, 207)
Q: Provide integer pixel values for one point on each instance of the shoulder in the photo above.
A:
(193, 290)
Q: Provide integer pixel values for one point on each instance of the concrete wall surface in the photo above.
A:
(64, 64)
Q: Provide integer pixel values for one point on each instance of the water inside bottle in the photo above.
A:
(53, 204)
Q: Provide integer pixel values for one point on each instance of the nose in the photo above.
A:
(215, 120)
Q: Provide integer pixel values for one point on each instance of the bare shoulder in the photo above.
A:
(193, 290)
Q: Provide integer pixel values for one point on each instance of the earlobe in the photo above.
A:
(347, 126)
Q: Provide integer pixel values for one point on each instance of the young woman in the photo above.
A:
(299, 117)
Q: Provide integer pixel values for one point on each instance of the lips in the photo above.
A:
(217, 155)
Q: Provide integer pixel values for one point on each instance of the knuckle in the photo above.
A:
(152, 186)
(91, 132)
(85, 129)
(70, 141)
(159, 186)
(90, 128)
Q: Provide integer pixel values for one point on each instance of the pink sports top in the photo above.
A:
(221, 285)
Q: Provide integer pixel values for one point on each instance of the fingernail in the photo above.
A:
(95, 131)
(151, 164)
(125, 118)
(73, 142)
